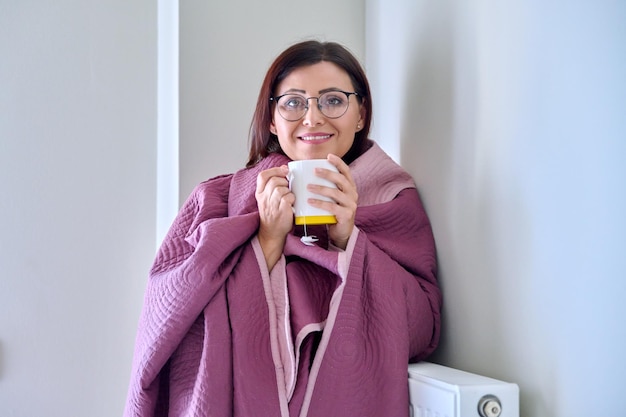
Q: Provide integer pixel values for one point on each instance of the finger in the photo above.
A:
(280, 192)
(341, 166)
(264, 177)
(287, 201)
(340, 204)
(275, 204)
(343, 180)
(343, 192)
(333, 193)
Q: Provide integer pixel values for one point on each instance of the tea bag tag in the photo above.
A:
(308, 240)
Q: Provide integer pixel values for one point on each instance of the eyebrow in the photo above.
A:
(325, 90)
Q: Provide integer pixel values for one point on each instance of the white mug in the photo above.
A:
(302, 173)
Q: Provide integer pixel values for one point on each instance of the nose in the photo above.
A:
(313, 115)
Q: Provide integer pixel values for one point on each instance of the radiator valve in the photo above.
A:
(489, 406)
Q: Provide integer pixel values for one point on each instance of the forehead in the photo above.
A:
(317, 77)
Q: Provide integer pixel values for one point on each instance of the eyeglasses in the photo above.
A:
(332, 104)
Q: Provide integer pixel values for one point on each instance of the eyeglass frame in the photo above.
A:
(347, 93)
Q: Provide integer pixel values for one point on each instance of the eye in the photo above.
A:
(293, 102)
(333, 100)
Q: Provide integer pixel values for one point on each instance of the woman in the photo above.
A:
(242, 319)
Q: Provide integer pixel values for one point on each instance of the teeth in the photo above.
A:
(314, 137)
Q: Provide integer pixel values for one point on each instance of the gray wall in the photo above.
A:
(77, 212)
(510, 115)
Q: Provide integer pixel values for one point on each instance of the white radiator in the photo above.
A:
(439, 391)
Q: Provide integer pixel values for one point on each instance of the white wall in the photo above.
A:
(510, 115)
(77, 212)
(225, 49)
(78, 169)
(507, 115)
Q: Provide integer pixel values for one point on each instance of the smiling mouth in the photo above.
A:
(312, 138)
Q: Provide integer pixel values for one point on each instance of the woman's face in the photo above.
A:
(314, 136)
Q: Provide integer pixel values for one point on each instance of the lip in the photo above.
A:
(315, 137)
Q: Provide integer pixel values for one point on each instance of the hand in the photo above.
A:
(345, 198)
(275, 202)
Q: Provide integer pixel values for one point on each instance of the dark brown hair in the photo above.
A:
(262, 141)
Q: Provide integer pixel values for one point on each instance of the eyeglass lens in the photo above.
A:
(332, 104)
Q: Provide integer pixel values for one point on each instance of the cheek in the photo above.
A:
(350, 124)
(281, 130)
(284, 134)
(355, 115)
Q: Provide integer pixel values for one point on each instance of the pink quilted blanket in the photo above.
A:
(325, 333)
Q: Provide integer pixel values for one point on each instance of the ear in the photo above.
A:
(273, 128)
(362, 116)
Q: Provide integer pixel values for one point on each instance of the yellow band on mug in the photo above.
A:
(315, 220)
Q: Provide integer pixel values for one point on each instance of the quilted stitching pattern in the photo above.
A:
(203, 346)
